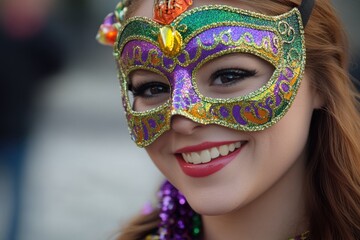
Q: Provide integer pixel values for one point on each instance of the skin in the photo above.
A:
(260, 194)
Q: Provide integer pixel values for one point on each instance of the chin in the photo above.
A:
(211, 210)
(211, 206)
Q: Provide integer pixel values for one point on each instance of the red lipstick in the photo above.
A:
(205, 169)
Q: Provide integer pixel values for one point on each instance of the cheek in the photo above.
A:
(160, 154)
(288, 138)
(283, 145)
(281, 149)
(156, 155)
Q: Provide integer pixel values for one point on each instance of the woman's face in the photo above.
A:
(219, 169)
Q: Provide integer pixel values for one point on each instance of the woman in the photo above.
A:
(259, 144)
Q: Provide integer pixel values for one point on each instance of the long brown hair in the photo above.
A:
(333, 169)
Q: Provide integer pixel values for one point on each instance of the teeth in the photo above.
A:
(231, 147)
(207, 155)
(195, 158)
(224, 150)
(214, 152)
(186, 158)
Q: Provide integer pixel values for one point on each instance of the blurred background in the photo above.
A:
(68, 169)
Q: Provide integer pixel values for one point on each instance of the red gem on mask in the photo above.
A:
(165, 11)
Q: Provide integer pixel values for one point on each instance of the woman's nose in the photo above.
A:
(183, 125)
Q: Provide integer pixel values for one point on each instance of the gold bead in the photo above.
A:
(170, 41)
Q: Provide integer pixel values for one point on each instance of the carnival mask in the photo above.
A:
(178, 42)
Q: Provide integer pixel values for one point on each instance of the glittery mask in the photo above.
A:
(178, 50)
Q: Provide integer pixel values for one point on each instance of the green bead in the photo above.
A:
(196, 231)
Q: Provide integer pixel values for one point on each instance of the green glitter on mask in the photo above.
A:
(288, 60)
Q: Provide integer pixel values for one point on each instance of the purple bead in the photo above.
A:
(181, 224)
(176, 216)
(110, 19)
(147, 209)
(182, 201)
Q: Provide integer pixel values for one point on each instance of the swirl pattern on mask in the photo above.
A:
(278, 40)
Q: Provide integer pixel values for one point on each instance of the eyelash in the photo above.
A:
(240, 74)
(139, 90)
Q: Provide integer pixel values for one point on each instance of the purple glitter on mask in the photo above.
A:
(208, 40)
(285, 87)
(161, 117)
(289, 73)
(130, 53)
(225, 38)
(182, 58)
(279, 100)
(237, 115)
(145, 131)
(269, 102)
(280, 84)
(224, 112)
(248, 39)
(184, 94)
(168, 63)
(152, 123)
(256, 110)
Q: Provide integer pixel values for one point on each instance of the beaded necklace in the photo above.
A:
(179, 222)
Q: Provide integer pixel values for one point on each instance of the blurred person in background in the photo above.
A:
(30, 54)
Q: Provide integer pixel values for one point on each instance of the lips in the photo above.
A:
(207, 158)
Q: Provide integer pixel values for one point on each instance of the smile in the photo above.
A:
(208, 158)
(207, 155)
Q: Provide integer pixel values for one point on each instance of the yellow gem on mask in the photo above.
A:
(170, 41)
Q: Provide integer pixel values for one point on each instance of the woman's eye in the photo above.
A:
(150, 89)
(227, 77)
